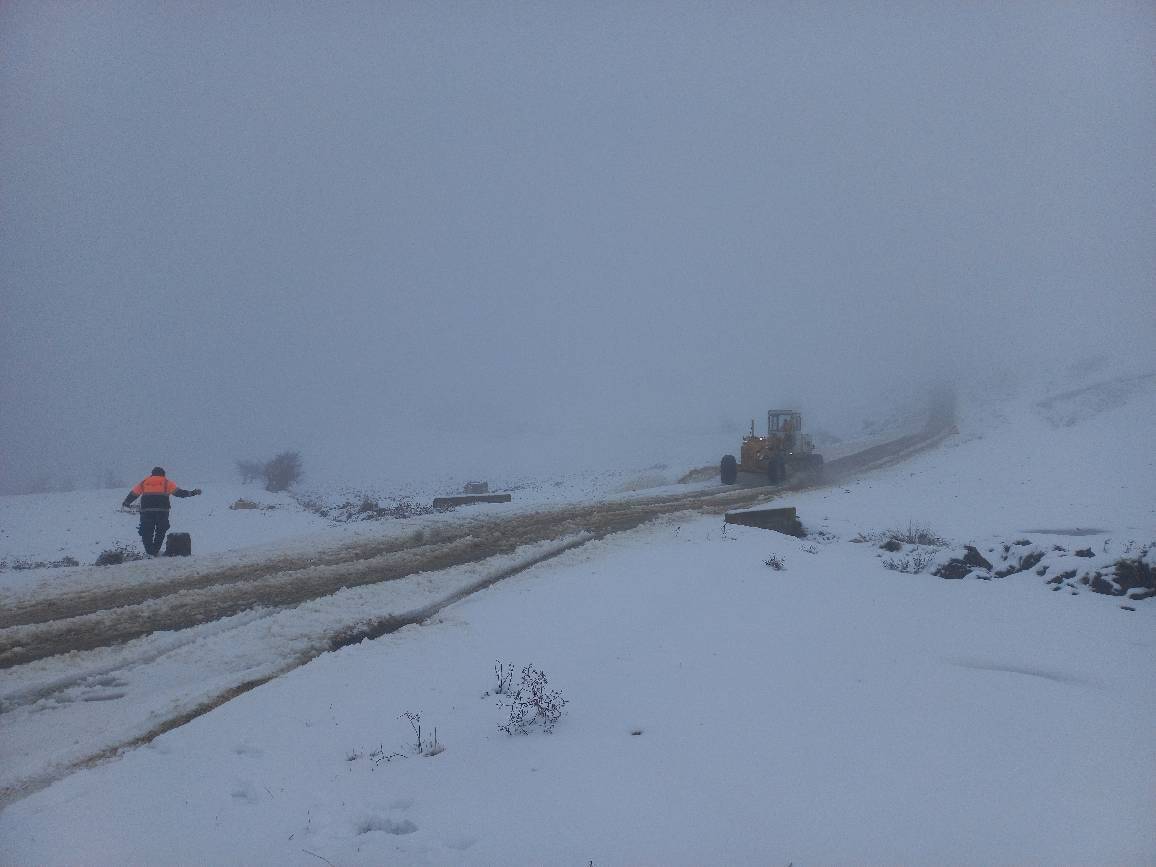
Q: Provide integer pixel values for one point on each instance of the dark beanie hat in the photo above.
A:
(158, 471)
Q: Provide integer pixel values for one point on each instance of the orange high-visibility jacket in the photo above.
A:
(154, 485)
(154, 493)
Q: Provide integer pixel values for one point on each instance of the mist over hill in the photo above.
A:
(400, 237)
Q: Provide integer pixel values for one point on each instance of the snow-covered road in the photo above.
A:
(180, 594)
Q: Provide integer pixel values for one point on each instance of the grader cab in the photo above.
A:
(785, 451)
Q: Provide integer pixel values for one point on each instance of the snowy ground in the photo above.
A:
(719, 710)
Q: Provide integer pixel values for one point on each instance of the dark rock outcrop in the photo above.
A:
(973, 558)
(1135, 579)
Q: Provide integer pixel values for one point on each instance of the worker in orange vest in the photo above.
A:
(154, 495)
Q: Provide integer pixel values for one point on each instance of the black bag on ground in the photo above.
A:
(178, 545)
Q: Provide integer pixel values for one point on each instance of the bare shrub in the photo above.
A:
(917, 535)
(913, 564)
(378, 756)
(532, 704)
(118, 554)
(913, 535)
(505, 676)
(423, 746)
(282, 471)
(364, 507)
(775, 562)
(22, 565)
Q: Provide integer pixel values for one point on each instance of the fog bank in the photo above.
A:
(230, 229)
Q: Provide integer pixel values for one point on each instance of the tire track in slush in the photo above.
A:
(131, 736)
(194, 606)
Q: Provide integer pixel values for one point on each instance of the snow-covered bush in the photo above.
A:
(532, 704)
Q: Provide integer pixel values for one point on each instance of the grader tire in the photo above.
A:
(728, 470)
(777, 470)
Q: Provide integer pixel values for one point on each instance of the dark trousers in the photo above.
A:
(153, 526)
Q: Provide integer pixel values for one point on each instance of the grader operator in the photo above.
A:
(785, 451)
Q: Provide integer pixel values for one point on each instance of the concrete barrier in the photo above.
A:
(467, 499)
(783, 520)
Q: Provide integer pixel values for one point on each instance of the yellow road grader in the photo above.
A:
(784, 452)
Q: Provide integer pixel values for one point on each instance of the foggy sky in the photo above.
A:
(232, 228)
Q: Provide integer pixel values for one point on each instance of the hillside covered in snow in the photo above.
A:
(714, 693)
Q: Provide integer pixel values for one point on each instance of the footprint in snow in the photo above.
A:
(460, 842)
(245, 792)
(386, 824)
